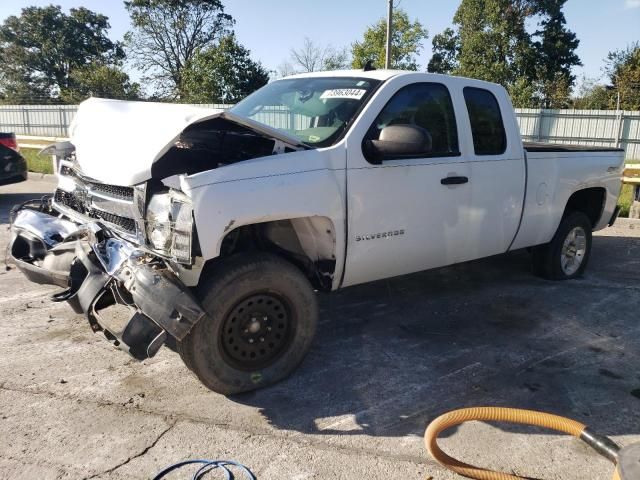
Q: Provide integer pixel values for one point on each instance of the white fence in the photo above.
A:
(604, 128)
(40, 120)
(45, 120)
(587, 127)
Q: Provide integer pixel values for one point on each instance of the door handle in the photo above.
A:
(454, 180)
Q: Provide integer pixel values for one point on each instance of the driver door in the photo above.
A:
(408, 213)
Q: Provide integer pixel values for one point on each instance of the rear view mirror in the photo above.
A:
(398, 141)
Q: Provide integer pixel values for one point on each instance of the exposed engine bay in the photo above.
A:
(119, 231)
(215, 143)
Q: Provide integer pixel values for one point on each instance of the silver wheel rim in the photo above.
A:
(574, 249)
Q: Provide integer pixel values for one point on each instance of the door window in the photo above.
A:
(489, 137)
(426, 108)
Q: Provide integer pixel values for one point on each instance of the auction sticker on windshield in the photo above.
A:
(352, 93)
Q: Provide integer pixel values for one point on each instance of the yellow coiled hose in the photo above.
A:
(493, 414)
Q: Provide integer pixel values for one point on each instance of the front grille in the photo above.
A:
(113, 191)
(75, 202)
(70, 200)
(124, 223)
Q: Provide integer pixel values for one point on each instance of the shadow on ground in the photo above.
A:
(9, 200)
(392, 355)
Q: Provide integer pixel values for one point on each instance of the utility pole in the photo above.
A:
(387, 62)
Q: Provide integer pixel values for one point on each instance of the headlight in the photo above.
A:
(170, 225)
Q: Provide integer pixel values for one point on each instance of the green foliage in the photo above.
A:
(336, 59)
(445, 52)
(224, 73)
(555, 55)
(617, 58)
(406, 43)
(625, 200)
(623, 67)
(167, 34)
(521, 92)
(555, 46)
(494, 44)
(555, 92)
(491, 42)
(592, 96)
(105, 81)
(43, 46)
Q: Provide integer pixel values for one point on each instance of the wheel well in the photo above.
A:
(307, 242)
(589, 201)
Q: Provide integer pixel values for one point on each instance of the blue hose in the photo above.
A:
(207, 466)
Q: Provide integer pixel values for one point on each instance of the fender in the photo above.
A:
(300, 184)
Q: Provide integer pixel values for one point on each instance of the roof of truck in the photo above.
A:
(384, 75)
(374, 74)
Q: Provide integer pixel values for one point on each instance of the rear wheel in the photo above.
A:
(261, 315)
(567, 255)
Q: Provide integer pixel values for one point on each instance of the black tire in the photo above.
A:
(244, 290)
(548, 259)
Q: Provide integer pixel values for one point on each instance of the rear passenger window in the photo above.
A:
(489, 137)
(425, 105)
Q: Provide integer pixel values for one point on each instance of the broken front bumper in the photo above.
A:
(99, 270)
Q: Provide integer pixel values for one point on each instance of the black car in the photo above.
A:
(13, 166)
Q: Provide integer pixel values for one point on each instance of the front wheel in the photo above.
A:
(261, 315)
(567, 255)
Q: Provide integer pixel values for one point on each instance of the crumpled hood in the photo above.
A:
(118, 141)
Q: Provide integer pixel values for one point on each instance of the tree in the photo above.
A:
(311, 57)
(623, 67)
(167, 34)
(592, 96)
(406, 43)
(336, 59)
(617, 58)
(491, 42)
(308, 58)
(43, 46)
(224, 73)
(284, 69)
(555, 55)
(555, 92)
(522, 93)
(445, 52)
(105, 81)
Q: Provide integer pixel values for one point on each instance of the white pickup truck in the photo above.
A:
(211, 230)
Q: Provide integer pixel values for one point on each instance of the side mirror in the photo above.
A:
(398, 141)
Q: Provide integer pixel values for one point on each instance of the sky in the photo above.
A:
(270, 28)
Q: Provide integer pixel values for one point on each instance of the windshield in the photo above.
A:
(315, 110)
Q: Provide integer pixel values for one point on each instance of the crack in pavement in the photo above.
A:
(294, 437)
(137, 455)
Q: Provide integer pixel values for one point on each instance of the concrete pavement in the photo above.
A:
(389, 357)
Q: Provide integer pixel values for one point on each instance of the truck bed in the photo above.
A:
(555, 147)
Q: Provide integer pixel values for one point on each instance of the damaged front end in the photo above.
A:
(99, 270)
(118, 234)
